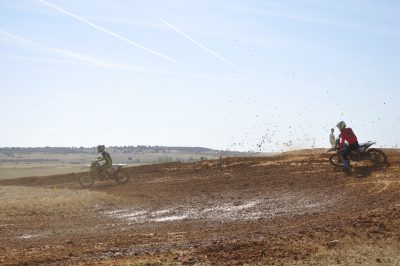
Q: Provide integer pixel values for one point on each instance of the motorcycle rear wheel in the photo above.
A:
(86, 180)
(377, 156)
(335, 160)
(121, 177)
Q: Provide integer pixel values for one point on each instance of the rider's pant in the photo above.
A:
(106, 169)
(346, 151)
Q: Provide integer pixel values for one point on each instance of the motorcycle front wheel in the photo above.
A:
(377, 156)
(121, 177)
(335, 160)
(86, 180)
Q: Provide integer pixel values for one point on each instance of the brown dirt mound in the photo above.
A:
(289, 209)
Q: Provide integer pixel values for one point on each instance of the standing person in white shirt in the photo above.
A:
(332, 138)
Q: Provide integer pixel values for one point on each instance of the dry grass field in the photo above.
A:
(51, 161)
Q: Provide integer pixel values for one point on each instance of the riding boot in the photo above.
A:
(346, 164)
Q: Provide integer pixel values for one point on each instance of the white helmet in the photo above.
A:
(341, 125)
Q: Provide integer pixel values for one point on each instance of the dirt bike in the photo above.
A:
(86, 179)
(362, 153)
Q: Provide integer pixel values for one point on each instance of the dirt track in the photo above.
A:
(287, 209)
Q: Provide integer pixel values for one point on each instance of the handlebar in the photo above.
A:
(94, 162)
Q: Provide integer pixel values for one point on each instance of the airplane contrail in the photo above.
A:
(74, 55)
(197, 43)
(99, 62)
(108, 32)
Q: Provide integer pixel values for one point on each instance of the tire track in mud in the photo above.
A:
(287, 204)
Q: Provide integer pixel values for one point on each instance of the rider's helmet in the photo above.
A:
(341, 125)
(100, 148)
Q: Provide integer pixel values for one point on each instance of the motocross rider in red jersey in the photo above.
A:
(347, 135)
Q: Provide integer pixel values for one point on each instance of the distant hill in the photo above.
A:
(141, 154)
(123, 149)
(140, 149)
(38, 161)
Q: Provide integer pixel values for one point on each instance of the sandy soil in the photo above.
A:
(291, 209)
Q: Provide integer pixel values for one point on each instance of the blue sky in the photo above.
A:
(238, 75)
